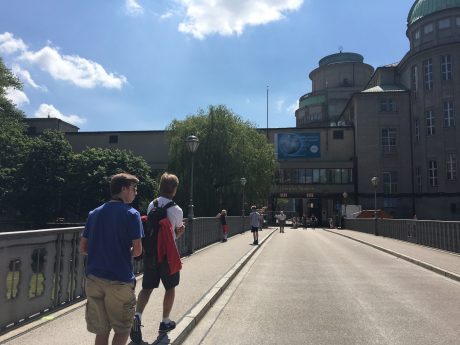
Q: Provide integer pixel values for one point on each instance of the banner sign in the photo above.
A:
(298, 145)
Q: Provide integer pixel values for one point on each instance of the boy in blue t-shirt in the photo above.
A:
(112, 236)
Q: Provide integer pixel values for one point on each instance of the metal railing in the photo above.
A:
(436, 234)
(41, 270)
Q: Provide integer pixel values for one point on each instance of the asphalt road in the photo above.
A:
(314, 287)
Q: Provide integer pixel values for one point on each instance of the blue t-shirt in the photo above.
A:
(110, 230)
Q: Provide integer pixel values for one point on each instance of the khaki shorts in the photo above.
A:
(110, 304)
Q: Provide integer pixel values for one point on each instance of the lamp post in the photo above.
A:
(243, 183)
(375, 183)
(192, 144)
(345, 196)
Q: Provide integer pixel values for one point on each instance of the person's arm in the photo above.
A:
(83, 246)
(136, 250)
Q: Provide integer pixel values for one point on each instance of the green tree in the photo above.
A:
(13, 140)
(230, 148)
(43, 178)
(90, 176)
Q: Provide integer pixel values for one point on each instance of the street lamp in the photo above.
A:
(192, 144)
(345, 196)
(243, 183)
(375, 183)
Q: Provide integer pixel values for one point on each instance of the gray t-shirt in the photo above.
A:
(254, 219)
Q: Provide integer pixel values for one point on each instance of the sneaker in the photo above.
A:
(136, 334)
(166, 327)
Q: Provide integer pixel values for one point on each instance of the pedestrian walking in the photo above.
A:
(112, 236)
(162, 259)
(254, 219)
(223, 223)
(281, 221)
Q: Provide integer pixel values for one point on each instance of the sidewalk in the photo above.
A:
(439, 261)
(204, 276)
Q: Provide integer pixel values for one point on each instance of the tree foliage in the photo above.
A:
(43, 178)
(91, 171)
(13, 140)
(230, 148)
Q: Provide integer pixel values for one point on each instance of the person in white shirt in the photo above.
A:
(281, 221)
(254, 220)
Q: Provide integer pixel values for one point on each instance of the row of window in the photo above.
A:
(433, 179)
(444, 23)
(314, 176)
(448, 120)
(390, 178)
(445, 62)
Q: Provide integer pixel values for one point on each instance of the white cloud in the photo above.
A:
(166, 15)
(133, 8)
(16, 96)
(293, 107)
(25, 77)
(10, 45)
(229, 17)
(280, 104)
(79, 71)
(48, 110)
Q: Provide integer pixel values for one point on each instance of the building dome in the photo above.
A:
(340, 57)
(422, 8)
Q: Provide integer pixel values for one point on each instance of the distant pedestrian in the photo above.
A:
(223, 222)
(261, 219)
(112, 236)
(281, 221)
(254, 221)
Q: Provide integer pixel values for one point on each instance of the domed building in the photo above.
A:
(411, 110)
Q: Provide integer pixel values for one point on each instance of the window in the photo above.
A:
(453, 208)
(449, 119)
(444, 23)
(414, 78)
(314, 176)
(387, 105)
(433, 173)
(417, 131)
(428, 74)
(451, 164)
(337, 134)
(389, 140)
(113, 139)
(446, 67)
(457, 21)
(417, 34)
(427, 29)
(429, 122)
(418, 176)
(390, 182)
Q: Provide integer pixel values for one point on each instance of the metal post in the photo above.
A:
(190, 206)
(192, 144)
(243, 183)
(375, 183)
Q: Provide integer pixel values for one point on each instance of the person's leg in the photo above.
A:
(143, 299)
(102, 339)
(120, 338)
(168, 302)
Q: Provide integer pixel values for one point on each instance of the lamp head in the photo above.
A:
(192, 143)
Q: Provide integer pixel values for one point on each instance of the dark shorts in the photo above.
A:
(154, 272)
(254, 229)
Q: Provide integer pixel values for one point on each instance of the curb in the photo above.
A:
(197, 312)
(417, 262)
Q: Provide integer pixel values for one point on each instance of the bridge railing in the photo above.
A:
(437, 234)
(42, 270)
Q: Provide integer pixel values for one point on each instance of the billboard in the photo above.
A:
(298, 145)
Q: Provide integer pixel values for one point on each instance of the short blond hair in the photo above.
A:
(168, 184)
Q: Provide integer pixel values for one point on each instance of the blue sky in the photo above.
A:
(138, 64)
